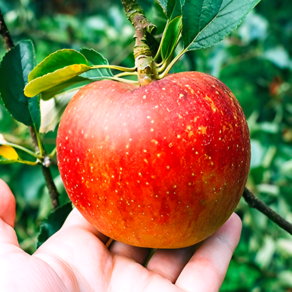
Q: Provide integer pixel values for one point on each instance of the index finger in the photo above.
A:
(207, 268)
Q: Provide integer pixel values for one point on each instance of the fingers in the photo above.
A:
(137, 254)
(7, 215)
(207, 268)
(169, 263)
(75, 219)
(7, 207)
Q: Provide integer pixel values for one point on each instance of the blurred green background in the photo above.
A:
(255, 62)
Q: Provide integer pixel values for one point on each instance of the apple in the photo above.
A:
(162, 165)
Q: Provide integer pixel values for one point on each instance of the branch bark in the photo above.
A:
(256, 203)
(5, 33)
(142, 52)
(46, 163)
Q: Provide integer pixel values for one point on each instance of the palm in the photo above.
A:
(76, 259)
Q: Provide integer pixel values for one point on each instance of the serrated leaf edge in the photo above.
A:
(242, 18)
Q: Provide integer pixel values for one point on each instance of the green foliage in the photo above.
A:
(69, 85)
(201, 23)
(59, 72)
(167, 6)
(53, 223)
(209, 27)
(254, 62)
(15, 68)
(95, 58)
(196, 16)
(57, 68)
(56, 61)
(170, 37)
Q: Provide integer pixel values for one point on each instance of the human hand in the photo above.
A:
(76, 259)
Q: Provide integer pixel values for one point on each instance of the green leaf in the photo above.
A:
(57, 77)
(57, 60)
(53, 223)
(14, 70)
(170, 37)
(196, 15)
(230, 15)
(167, 6)
(69, 85)
(8, 155)
(95, 58)
(35, 111)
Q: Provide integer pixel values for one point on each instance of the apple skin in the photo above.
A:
(162, 165)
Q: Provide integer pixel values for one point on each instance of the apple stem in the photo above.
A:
(143, 55)
(109, 242)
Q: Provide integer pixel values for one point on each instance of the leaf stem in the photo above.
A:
(22, 149)
(52, 154)
(126, 74)
(27, 162)
(160, 44)
(164, 65)
(122, 80)
(172, 63)
(120, 68)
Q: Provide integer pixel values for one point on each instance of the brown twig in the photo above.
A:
(256, 203)
(5, 33)
(53, 192)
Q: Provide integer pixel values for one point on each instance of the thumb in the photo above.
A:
(7, 215)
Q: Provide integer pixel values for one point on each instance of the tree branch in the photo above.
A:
(256, 203)
(5, 33)
(142, 52)
(53, 192)
(46, 162)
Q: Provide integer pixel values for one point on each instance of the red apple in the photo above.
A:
(162, 165)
